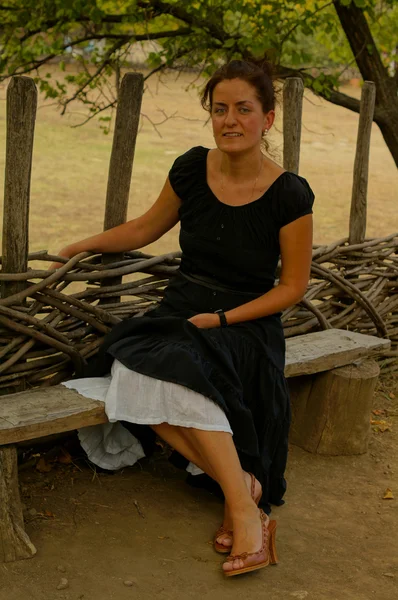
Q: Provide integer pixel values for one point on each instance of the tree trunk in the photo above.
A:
(359, 36)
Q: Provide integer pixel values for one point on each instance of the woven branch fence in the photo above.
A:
(47, 334)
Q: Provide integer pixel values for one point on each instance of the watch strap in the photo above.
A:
(223, 318)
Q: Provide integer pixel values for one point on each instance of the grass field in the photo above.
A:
(70, 165)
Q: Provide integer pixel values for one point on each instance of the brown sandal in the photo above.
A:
(221, 530)
(263, 557)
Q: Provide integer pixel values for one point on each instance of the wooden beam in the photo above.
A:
(361, 165)
(325, 350)
(331, 411)
(21, 115)
(45, 411)
(14, 542)
(293, 91)
(122, 158)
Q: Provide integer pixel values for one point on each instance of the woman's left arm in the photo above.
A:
(296, 253)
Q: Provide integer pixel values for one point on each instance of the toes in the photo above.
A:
(237, 564)
(233, 565)
(227, 566)
(225, 540)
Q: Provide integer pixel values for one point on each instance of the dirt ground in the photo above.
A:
(143, 533)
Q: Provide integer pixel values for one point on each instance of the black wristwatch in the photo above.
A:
(223, 318)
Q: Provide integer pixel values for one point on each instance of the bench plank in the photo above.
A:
(325, 350)
(45, 411)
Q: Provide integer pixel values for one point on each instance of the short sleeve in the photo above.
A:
(185, 170)
(296, 199)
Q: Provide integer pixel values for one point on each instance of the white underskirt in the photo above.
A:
(136, 398)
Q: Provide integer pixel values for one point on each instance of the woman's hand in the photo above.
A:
(67, 252)
(205, 320)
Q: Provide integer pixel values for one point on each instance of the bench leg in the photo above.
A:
(14, 542)
(331, 410)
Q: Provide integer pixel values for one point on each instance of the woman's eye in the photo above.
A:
(244, 110)
(219, 111)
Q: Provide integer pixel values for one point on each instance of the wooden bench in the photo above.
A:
(331, 378)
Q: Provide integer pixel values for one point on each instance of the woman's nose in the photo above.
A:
(230, 118)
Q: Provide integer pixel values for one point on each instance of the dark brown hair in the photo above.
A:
(257, 75)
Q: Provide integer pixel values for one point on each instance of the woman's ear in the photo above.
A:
(269, 119)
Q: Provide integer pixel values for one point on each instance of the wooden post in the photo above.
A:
(21, 115)
(293, 91)
(14, 542)
(361, 165)
(122, 157)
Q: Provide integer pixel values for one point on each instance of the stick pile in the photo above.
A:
(46, 334)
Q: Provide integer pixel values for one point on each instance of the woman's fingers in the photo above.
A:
(55, 265)
(64, 253)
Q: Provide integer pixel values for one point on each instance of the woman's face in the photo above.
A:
(237, 116)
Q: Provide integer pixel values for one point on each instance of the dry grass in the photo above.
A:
(70, 166)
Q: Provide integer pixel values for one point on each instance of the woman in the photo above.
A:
(210, 359)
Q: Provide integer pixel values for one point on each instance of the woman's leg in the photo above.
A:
(179, 439)
(217, 450)
(183, 440)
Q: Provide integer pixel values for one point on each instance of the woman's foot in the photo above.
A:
(248, 538)
(223, 538)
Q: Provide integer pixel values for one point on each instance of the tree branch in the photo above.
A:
(359, 36)
(139, 37)
(100, 110)
(125, 39)
(302, 20)
(50, 23)
(333, 95)
(178, 11)
(104, 63)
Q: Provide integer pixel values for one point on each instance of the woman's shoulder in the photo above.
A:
(187, 169)
(293, 197)
(293, 182)
(190, 157)
(288, 185)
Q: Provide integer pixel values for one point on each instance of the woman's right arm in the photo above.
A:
(134, 234)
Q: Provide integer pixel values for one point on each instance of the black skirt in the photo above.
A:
(240, 367)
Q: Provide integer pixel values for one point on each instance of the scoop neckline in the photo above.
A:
(207, 150)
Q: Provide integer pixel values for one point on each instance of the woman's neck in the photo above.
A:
(241, 166)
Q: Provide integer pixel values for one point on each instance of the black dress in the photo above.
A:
(229, 257)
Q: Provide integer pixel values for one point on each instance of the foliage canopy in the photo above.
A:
(316, 39)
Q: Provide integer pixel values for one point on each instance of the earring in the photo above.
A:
(265, 131)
